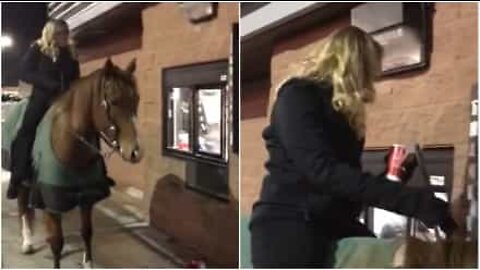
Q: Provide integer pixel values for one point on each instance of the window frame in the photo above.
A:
(196, 76)
(447, 188)
(223, 135)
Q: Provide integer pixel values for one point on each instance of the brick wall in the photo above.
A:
(254, 99)
(168, 39)
(431, 107)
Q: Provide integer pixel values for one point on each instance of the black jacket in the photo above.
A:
(314, 167)
(49, 78)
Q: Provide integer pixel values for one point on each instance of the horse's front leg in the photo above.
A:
(53, 223)
(87, 232)
(26, 215)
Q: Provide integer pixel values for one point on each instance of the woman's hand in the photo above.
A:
(435, 212)
(448, 225)
(408, 167)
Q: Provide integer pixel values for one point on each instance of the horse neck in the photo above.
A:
(77, 105)
(74, 118)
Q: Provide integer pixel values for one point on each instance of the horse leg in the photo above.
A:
(26, 216)
(53, 223)
(87, 232)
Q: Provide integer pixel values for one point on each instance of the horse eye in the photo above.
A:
(115, 102)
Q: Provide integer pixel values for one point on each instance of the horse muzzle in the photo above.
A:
(132, 155)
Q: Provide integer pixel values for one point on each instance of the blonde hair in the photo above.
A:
(47, 42)
(350, 60)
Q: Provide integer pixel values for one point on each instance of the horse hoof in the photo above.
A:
(88, 265)
(27, 249)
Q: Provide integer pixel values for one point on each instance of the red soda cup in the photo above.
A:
(398, 154)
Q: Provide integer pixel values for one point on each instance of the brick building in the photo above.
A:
(429, 105)
(187, 183)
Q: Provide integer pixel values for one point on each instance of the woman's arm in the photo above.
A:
(29, 71)
(300, 130)
(76, 70)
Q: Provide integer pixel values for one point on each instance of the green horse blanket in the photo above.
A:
(55, 188)
(350, 252)
(365, 252)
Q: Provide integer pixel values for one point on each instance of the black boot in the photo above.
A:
(13, 187)
(17, 177)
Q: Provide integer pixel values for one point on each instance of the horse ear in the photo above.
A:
(132, 66)
(108, 67)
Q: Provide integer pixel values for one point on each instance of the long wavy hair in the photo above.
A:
(47, 42)
(350, 59)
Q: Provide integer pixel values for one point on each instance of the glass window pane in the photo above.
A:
(209, 119)
(402, 47)
(387, 224)
(179, 121)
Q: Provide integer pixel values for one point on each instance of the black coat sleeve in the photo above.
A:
(298, 123)
(29, 71)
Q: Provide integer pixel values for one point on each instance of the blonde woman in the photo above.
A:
(315, 187)
(50, 67)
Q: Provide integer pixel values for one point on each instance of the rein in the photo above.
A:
(94, 148)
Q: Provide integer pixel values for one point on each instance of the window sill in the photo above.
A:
(194, 157)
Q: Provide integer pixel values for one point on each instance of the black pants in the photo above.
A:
(21, 155)
(299, 243)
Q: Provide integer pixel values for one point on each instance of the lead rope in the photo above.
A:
(425, 176)
(92, 147)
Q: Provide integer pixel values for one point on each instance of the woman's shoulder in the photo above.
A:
(297, 86)
(34, 48)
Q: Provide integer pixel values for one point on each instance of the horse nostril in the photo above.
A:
(135, 154)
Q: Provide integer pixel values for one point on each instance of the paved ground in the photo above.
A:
(119, 240)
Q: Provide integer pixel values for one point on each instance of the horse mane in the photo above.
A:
(449, 253)
(453, 252)
(64, 102)
(90, 82)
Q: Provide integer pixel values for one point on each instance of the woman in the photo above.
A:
(50, 66)
(315, 188)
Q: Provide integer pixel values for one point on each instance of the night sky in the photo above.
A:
(23, 22)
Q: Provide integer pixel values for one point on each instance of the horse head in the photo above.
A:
(115, 110)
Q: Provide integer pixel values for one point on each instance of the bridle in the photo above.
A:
(109, 134)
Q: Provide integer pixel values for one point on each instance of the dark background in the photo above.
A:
(23, 22)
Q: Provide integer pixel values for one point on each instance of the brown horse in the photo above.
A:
(422, 249)
(100, 106)
(453, 251)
